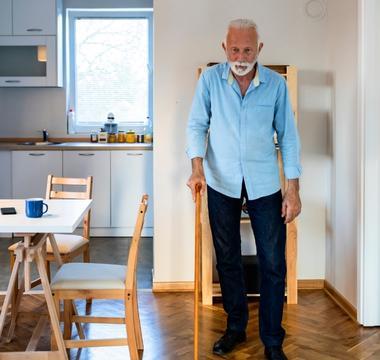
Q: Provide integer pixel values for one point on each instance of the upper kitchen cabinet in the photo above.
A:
(29, 17)
(31, 43)
(35, 17)
(5, 17)
(29, 61)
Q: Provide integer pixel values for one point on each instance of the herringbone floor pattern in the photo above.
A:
(316, 329)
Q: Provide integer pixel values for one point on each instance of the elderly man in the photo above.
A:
(237, 108)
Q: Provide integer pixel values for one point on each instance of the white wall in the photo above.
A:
(26, 111)
(341, 264)
(189, 34)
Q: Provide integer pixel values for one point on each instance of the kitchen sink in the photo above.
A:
(41, 143)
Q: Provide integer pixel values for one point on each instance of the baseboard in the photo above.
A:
(341, 301)
(311, 284)
(185, 286)
(189, 286)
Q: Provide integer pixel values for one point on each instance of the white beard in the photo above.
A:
(241, 68)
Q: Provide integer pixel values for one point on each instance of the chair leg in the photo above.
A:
(53, 343)
(131, 334)
(47, 265)
(136, 320)
(67, 319)
(86, 259)
(77, 324)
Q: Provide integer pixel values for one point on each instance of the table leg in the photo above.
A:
(9, 294)
(55, 249)
(27, 241)
(14, 311)
(54, 317)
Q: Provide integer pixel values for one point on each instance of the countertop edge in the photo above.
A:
(75, 147)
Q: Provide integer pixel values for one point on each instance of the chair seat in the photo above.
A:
(67, 243)
(89, 276)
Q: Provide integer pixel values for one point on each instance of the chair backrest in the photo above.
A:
(75, 195)
(130, 279)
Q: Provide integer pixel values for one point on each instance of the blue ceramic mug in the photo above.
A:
(34, 208)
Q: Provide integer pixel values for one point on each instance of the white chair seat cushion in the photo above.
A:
(67, 243)
(89, 276)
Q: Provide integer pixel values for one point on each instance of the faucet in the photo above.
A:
(45, 135)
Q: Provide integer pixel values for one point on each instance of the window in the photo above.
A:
(109, 68)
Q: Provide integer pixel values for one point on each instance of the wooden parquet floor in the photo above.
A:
(316, 329)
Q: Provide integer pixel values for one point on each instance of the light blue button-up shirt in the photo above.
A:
(234, 134)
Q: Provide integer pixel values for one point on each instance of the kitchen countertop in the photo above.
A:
(88, 146)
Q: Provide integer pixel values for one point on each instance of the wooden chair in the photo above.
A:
(103, 281)
(69, 245)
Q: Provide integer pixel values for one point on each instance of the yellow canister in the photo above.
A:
(131, 136)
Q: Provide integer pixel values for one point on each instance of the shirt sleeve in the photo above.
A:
(199, 120)
(287, 134)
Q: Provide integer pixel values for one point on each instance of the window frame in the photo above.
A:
(72, 15)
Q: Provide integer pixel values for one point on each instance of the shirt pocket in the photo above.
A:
(260, 124)
(262, 114)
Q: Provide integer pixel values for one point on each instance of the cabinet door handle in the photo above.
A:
(134, 154)
(12, 81)
(37, 154)
(34, 30)
(86, 154)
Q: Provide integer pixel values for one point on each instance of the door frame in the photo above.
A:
(368, 188)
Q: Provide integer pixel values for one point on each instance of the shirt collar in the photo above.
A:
(259, 75)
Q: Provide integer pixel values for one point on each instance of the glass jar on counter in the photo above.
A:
(121, 137)
(94, 137)
(148, 138)
(131, 136)
(112, 138)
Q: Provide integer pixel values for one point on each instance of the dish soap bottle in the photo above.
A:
(71, 121)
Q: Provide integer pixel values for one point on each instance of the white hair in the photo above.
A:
(244, 24)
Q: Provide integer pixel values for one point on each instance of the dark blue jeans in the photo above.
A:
(270, 236)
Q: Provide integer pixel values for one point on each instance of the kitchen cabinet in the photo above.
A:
(35, 17)
(30, 170)
(96, 164)
(120, 179)
(131, 177)
(21, 66)
(29, 17)
(5, 175)
(31, 43)
(5, 17)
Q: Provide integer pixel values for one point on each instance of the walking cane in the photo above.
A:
(198, 239)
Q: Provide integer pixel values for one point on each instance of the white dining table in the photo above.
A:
(63, 216)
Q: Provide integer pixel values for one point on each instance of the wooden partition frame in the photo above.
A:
(210, 289)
